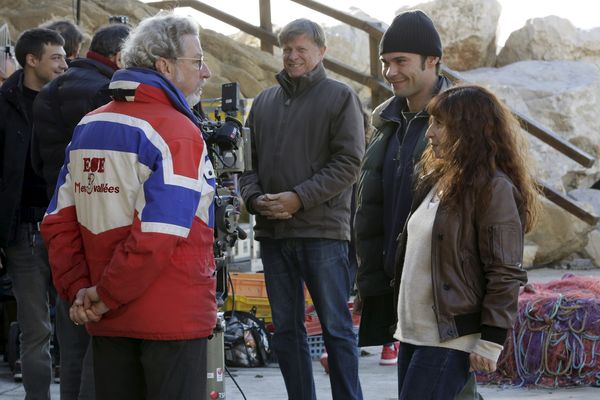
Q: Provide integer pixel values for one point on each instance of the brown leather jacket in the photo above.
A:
(476, 262)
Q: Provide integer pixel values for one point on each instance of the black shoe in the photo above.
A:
(56, 373)
(17, 374)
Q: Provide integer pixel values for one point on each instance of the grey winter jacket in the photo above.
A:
(307, 137)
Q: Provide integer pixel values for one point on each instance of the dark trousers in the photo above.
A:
(29, 271)
(431, 373)
(137, 369)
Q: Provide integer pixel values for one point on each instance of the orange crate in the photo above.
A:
(250, 285)
(253, 285)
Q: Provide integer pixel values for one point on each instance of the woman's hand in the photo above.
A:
(481, 363)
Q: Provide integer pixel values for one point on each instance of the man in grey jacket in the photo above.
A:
(307, 144)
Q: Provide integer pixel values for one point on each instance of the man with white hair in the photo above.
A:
(129, 229)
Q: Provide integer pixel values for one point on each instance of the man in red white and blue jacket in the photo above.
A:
(129, 229)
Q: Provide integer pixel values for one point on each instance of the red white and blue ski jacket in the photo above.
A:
(132, 213)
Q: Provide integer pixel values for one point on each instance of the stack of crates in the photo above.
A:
(250, 294)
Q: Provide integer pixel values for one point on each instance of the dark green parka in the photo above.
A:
(374, 284)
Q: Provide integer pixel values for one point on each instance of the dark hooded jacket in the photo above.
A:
(373, 278)
(59, 107)
(15, 134)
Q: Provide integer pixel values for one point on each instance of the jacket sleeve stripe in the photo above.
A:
(169, 229)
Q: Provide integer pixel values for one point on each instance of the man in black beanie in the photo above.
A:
(410, 53)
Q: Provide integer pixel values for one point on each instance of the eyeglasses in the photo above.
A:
(198, 62)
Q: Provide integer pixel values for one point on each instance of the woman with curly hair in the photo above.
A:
(459, 260)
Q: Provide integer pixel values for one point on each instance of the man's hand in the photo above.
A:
(77, 311)
(481, 363)
(277, 206)
(288, 201)
(87, 307)
(97, 307)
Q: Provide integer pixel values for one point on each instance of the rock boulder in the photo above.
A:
(468, 30)
(565, 97)
(551, 38)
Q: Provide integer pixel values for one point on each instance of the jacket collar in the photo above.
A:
(391, 109)
(294, 87)
(92, 55)
(13, 86)
(12, 90)
(91, 64)
(144, 85)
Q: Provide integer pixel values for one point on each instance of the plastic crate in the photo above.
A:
(253, 285)
(316, 346)
(257, 305)
(249, 285)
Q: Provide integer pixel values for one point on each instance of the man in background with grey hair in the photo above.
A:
(308, 140)
(129, 228)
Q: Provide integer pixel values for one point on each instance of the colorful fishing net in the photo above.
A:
(556, 338)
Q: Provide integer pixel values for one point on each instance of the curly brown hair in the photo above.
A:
(481, 137)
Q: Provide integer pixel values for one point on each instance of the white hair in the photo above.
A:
(154, 37)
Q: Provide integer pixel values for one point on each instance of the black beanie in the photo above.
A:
(411, 32)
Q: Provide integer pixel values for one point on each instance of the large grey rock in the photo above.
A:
(234, 62)
(565, 97)
(551, 38)
(592, 248)
(468, 30)
(557, 234)
(587, 196)
(590, 197)
(228, 60)
(25, 14)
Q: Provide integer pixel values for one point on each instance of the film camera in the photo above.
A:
(228, 145)
(118, 19)
(229, 151)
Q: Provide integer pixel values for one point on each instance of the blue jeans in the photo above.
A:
(323, 265)
(431, 373)
(29, 271)
(76, 364)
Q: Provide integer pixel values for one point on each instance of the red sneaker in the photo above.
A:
(389, 354)
(324, 362)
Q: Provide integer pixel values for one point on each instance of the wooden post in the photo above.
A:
(78, 13)
(265, 23)
(378, 95)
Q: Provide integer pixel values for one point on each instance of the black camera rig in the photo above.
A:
(228, 148)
